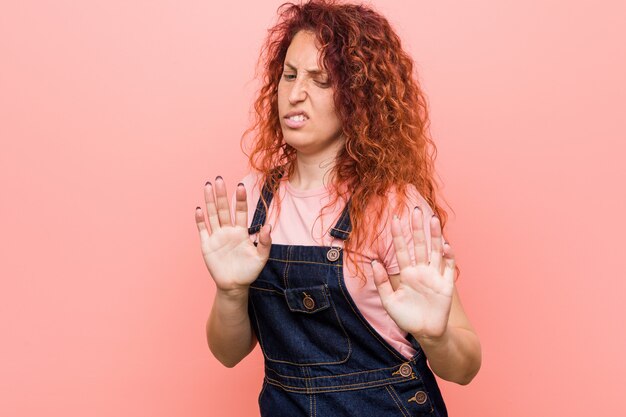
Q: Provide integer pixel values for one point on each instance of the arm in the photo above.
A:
(234, 262)
(423, 301)
(228, 330)
(456, 355)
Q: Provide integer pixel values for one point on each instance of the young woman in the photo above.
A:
(338, 268)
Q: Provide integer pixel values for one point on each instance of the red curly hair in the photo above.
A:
(378, 100)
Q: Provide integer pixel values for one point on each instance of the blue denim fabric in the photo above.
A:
(322, 358)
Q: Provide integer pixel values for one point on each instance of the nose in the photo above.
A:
(298, 91)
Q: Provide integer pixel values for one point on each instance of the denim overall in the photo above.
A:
(322, 358)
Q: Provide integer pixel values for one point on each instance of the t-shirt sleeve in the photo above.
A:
(387, 252)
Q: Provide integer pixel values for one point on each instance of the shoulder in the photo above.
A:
(403, 202)
(249, 181)
(252, 183)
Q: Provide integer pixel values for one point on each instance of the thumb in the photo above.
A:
(381, 279)
(265, 241)
(449, 264)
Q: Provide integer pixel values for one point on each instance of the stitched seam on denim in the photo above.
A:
(309, 312)
(323, 305)
(297, 363)
(330, 299)
(371, 371)
(341, 387)
(343, 234)
(260, 209)
(266, 289)
(322, 363)
(305, 371)
(397, 400)
(260, 217)
(363, 321)
(337, 388)
(304, 364)
(285, 270)
(316, 363)
(303, 262)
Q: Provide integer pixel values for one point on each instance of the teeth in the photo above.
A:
(298, 118)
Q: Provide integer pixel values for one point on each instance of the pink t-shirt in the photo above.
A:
(298, 224)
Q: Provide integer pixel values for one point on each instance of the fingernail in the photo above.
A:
(207, 183)
(219, 177)
(240, 184)
(373, 262)
(417, 208)
(198, 208)
(395, 216)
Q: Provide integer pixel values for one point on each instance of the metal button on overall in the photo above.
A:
(308, 302)
(419, 397)
(405, 370)
(333, 254)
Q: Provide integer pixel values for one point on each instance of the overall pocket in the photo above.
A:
(298, 325)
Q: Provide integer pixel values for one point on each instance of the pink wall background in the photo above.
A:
(113, 115)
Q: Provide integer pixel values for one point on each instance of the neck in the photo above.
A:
(310, 170)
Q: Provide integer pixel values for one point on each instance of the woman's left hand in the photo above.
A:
(420, 304)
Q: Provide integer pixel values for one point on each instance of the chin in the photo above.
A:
(294, 139)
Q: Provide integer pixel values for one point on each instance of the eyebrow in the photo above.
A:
(314, 71)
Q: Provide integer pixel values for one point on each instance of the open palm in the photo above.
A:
(232, 259)
(421, 302)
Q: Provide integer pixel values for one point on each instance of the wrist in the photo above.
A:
(233, 294)
(433, 342)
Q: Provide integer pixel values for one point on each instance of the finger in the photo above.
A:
(419, 237)
(381, 279)
(402, 253)
(449, 264)
(204, 233)
(265, 241)
(241, 206)
(436, 247)
(211, 209)
(221, 199)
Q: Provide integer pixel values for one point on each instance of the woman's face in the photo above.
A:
(305, 100)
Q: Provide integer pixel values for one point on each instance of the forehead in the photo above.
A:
(303, 51)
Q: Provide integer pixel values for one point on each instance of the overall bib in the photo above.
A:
(322, 358)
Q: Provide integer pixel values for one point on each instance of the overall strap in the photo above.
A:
(342, 229)
(260, 214)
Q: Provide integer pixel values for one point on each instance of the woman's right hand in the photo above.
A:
(233, 260)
